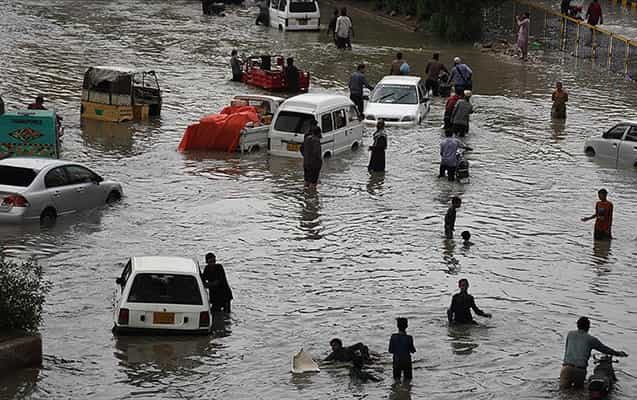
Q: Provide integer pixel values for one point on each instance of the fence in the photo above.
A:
(558, 31)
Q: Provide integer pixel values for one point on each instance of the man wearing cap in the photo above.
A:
(461, 75)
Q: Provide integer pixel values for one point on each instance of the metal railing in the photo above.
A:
(554, 30)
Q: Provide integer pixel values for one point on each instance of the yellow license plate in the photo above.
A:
(164, 318)
(294, 147)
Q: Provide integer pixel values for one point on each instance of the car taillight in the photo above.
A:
(204, 319)
(122, 318)
(15, 200)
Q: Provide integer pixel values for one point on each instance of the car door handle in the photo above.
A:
(57, 194)
(80, 190)
(614, 144)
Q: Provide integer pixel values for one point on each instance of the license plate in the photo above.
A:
(164, 318)
(302, 22)
(294, 147)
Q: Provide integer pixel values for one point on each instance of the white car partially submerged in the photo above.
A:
(618, 144)
(161, 295)
(399, 100)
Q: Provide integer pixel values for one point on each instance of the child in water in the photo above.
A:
(466, 239)
(356, 372)
(401, 345)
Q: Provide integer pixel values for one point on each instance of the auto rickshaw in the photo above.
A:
(119, 94)
(30, 133)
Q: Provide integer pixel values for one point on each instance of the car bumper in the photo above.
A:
(17, 215)
(120, 330)
(287, 154)
(372, 122)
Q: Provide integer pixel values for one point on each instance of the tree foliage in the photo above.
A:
(22, 294)
(453, 19)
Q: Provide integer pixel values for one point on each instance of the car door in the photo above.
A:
(354, 126)
(274, 13)
(61, 192)
(608, 147)
(628, 148)
(341, 130)
(327, 131)
(85, 183)
(423, 102)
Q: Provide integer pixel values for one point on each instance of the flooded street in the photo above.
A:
(344, 262)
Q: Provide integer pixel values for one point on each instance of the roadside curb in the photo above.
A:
(20, 352)
(395, 22)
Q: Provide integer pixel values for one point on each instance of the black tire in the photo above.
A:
(280, 28)
(48, 217)
(327, 156)
(590, 152)
(113, 197)
(254, 148)
(354, 146)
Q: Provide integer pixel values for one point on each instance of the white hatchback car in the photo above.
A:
(618, 144)
(42, 189)
(398, 100)
(161, 295)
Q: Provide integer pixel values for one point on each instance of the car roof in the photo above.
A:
(124, 70)
(259, 97)
(627, 121)
(35, 163)
(181, 265)
(400, 80)
(316, 101)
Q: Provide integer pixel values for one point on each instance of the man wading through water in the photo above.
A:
(312, 155)
(603, 217)
(215, 277)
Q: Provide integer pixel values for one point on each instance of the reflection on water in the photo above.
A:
(345, 260)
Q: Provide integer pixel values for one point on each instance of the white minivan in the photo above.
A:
(336, 115)
(295, 15)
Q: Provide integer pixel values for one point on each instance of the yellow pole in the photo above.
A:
(610, 51)
(577, 41)
(624, 3)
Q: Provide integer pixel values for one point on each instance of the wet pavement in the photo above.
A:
(340, 263)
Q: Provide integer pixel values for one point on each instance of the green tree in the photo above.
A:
(22, 294)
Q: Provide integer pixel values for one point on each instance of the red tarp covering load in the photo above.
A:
(219, 131)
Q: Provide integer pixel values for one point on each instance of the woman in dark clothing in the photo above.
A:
(312, 155)
(215, 278)
(377, 159)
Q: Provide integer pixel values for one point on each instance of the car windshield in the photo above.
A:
(165, 289)
(395, 94)
(16, 176)
(302, 6)
(295, 122)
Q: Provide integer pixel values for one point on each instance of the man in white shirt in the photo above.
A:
(343, 30)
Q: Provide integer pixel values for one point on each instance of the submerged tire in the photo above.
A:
(48, 217)
(354, 146)
(590, 152)
(113, 197)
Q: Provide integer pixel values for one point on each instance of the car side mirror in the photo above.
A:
(119, 281)
(97, 180)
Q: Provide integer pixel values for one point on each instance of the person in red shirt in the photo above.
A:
(449, 105)
(603, 217)
(38, 105)
(594, 13)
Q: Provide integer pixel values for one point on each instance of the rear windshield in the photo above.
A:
(16, 176)
(165, 289)
(295, 122)
(302, 6)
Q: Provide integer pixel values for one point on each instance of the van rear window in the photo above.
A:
(302, 6)
(165, 289)
(294, 122)
(16, 176)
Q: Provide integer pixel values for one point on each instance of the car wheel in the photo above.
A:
(354, 146)
(327, 155)
(254, 148)
(48, 217)
(281, 28)
(590, 152)
(419, 120)
(113, 197)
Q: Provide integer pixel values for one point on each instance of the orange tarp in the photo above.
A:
(219, 131)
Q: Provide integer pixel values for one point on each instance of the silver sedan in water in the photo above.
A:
(42, 189)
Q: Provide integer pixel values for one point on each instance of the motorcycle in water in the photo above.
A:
(603, 378)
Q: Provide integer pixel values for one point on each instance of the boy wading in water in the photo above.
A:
(450, 218)
(603, 217)
(401, 345)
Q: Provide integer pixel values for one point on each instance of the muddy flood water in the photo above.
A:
(343, 262)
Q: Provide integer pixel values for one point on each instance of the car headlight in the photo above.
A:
(407, 118)
(370, 117)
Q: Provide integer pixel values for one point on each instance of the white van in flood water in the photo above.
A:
(295, 15)
(336, 115)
